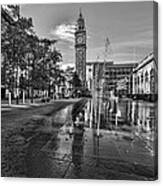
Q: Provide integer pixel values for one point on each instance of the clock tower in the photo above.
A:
(80, 49)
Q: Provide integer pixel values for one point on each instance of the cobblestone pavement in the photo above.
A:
(18, 127)
(45, 145)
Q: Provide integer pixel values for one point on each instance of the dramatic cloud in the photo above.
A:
(64, 32)
(65, 65)
(129, 27)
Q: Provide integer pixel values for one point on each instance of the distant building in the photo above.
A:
(145, 83)
(80, 49)
(117, 77)
(89, 75)
(94, 72)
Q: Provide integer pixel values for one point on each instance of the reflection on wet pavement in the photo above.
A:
(124, 150)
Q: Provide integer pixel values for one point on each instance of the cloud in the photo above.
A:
(130, 50)
(65, 65)
(64, 32)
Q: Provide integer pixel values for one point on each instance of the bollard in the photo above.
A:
(9, 98)
(71, 129)
(116, 120)
(98, 132)
(23, 97)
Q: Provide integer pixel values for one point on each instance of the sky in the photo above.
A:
(128, 25)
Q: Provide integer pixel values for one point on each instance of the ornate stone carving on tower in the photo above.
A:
(80, 49)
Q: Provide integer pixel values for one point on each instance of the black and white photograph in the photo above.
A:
(79, 90)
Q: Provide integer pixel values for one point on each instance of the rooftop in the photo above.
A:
(112, 64)
(145, 61)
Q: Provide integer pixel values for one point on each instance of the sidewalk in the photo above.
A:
(19, 126)
(6, 107)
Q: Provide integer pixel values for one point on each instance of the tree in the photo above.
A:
(69, 72)
(49, 65)
(76, 82)
(23, 51)
(13, 45)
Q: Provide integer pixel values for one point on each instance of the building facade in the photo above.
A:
(145, 80)
(117, 77)
(89, 76)
(94, 73)
(80, 49)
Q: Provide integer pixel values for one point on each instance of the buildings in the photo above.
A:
(89, 75)
(94, 72)
(117, 77)
(145, 80)
(138, 80)
(80, 49)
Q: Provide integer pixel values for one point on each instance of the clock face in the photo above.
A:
(79, 39)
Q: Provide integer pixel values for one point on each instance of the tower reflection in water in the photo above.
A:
(78, 140)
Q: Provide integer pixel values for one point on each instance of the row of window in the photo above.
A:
(145, 77)
(119, 70)
(117, 73)
(115, 77)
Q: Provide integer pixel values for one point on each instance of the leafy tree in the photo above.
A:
(49, 65)
(22, 50)
(76, 82)
(13, 44)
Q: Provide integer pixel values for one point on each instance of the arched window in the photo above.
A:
(142, 85)
(152, 73)
(152, 81)
(146, 81)
(142, 78)
(138, 81)
(146, 76)
(135, 80)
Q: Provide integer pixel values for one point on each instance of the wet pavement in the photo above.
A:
(55, 145)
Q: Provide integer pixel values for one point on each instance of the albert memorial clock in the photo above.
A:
(80, 49)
